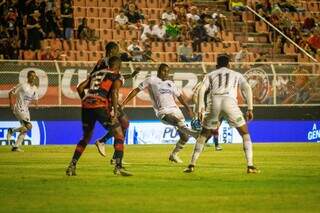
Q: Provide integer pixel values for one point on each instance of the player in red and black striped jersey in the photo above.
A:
(112, 49)
(101, 104)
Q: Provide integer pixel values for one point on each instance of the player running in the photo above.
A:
(100, 104)
(222, 100)
(25, 93)
(162, 92)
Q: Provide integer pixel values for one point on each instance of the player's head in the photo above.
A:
(115, 63)
(32, 77)
(112, 49)
(163, 71)
(223, 61)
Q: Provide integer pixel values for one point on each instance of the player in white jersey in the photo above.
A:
(25, 93)
(223, 86)
(163, 92)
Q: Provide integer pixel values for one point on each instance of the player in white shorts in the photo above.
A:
(223, 86)
(162, 93)
(25, 93)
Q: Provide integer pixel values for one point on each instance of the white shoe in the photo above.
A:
(101, 148)
(218, 148)
(16, 149)
(175, 158)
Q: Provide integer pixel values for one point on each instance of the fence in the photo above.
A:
(273, 84)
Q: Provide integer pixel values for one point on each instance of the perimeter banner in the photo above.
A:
(155, 132)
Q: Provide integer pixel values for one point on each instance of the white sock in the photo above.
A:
(20, 139)
(198, 147)
(247, 147)
(178, 147)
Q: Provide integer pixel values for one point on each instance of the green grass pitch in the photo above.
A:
(35, 180)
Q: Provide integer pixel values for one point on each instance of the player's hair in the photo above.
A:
(162, 66)
(223, 60)
(30, 72)
(114, 60)
(110, 46)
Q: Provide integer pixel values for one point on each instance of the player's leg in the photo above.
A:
(27, 126)
(210, 122)
(236, 119)
(178, 147)
(215, 134)
(114, 126)
(88, 122)
(24, 118)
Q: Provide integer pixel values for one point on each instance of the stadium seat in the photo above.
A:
(218, 47)
(91, 3)
(81, 45)
(68, 45)
(94, 46)
(130, 34)
(115, 12)
(94, 23)
(152, 4)
(116, 3)
(261, 27)
(104, 3)
(159, 56)
(95, 55)
(171, 57)
(82, 55)
(71, 56)
(227, 36)
(313, 6)
(294, 17)
(106, 23)
(247, 16)
(118, 34)
(163, 3)
(208, 57)
(154, 14)
(93, 12)
(55, 44)
(79, 3)
(106, 35)
(29, 55)
(79, 12)
(303, 58)
(157, 47)
(170, 47)
(289, 48)
(105, 12)
(206, 47)
(141, 3)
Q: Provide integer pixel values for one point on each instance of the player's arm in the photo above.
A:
(183, 102)
(132, 75)
(82, 86)
(245, 87)
(115, 96)
(12, 93)
(131, 95)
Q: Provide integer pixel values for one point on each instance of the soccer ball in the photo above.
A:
(196, 124)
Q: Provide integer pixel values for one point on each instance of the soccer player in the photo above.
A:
(112, 49)
(222, 100)
(162, 92)
(215, 132)
(25, 93)
(96, 106)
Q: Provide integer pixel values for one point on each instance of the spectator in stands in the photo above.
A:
(193, 16)
(198, 35)
(8, 45)
(159, 31)
(35, 32)
(52, 23)
(67, 20)
(134, 16)
(182, 16)
(147, 54)
(84, 32)
(313, 42)
(308, 24)
(135, 51)
(148, 31)
(240, 57)
(168, 15)
(121, 21)
(237, 6)
(205, 15)
(220, 19)
(212, 31)
(173, 31)
(125, 7)
(11, 23)
(47, 54)
(185, 53)
(264, 5)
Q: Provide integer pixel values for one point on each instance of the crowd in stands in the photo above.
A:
(25, 24)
